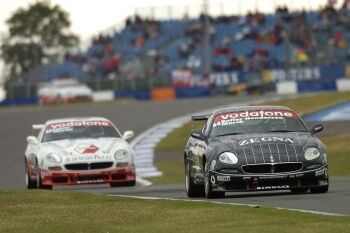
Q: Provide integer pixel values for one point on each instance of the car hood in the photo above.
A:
(266, 148)
(85, 149)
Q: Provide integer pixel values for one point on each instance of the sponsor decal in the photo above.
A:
(240, 117)
(88, 158)
(273, 187)
(228, 122)
(223, 178)
(44, 173)
(212, 179)
(219, 188)
(59, 130)
(271, 177)
(90, 181)
(265, 139)
(86, 149)
(262, 114)
(272, 159)
(78, 123)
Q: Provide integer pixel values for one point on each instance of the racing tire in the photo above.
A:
(299, 190)
(29, 183)
(192, 189)
(39, 184)
(123, 184)
(209, 193)
(321, 189)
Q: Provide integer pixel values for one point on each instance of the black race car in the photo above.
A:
(254, 148)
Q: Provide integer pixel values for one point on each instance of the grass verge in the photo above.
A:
(57, 211)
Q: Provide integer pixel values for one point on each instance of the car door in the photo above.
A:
(198, 151)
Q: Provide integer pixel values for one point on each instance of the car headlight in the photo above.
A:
(311, 153)
(121, 154)
(228, 157)
(54, 158)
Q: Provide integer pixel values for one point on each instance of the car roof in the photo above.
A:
(59, 120)
(250, 108)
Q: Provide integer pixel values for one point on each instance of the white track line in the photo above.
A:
(230, 203)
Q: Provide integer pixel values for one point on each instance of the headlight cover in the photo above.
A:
(54, 158)
(121, 154)
(228, 158)
(312, 153)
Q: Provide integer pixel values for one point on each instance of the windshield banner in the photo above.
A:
(240, 117)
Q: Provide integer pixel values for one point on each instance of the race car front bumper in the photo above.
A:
(272, 181)
(113, 175)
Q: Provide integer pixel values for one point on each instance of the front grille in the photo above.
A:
(101, 165)
(88, 166)
(272, 168)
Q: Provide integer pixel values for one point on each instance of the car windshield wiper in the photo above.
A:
(221, 135)
(281, 131)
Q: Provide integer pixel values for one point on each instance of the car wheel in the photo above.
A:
(209, 193)
(299, 190)
(123, 184)
(38, 182)
(322, 189)
(192, 189)
(29, 183)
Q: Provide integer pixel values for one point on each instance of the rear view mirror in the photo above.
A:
(198, 135)
(32, 140)
(128, 134)
(316, 129)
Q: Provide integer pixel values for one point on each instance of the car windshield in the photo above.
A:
(79, 129)
(256, 121)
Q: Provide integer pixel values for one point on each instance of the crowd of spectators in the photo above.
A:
(301, 38)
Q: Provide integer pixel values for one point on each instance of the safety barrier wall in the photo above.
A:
(290, 87)
(164, 93)
(192, 92)
(335, 76)
(19, 101)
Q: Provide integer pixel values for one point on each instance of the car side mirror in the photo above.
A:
(198, 135)
(316, 129)
(32, 140)
(128, 134)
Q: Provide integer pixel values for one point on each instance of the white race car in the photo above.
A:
(73, 151)
(64, 91)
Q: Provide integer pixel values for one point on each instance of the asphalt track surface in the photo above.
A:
(16, 122)
(15, 126)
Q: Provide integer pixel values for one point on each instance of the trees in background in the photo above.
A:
(37, 35)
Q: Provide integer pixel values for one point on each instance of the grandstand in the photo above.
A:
(255, 49)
